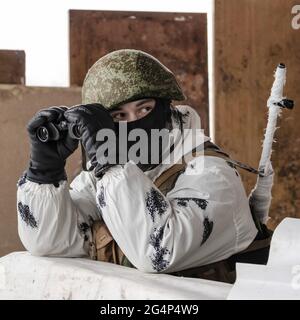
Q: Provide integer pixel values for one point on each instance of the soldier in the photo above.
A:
(160, 222)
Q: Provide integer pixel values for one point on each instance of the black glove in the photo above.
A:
(91, 118)
(47, 159)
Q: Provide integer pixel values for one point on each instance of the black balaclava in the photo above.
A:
(158, 118)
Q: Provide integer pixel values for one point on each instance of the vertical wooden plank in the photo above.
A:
(12, 67)
(178, 40)
(251, 38)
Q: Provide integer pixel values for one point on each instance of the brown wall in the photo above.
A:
(178, 40)
(251, 38)
(17, 105)
(12, 66)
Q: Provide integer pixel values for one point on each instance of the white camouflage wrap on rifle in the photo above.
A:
(260, 196)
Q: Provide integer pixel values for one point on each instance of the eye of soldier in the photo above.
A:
(145, 110)
(139, 112)
(119, 116)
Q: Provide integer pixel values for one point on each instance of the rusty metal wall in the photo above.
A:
(178, 40)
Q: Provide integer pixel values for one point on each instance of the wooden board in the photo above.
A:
(178, 40)
(12, 66)
(251, 38)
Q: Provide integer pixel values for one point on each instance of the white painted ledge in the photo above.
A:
(280, 278)
(23, 276)
(28, 277)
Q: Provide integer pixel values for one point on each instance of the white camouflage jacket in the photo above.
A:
(203, 219)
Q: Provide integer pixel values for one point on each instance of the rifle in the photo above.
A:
(260, 196)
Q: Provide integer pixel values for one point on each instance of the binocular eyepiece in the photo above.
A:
(54, 132)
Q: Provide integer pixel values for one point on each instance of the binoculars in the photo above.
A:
(54, 132)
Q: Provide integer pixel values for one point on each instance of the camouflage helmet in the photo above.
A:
(126, 75)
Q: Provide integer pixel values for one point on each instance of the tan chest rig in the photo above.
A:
(104, 248)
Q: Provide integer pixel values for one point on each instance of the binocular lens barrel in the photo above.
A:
(74, 131)
(42, 134)
(52, 132)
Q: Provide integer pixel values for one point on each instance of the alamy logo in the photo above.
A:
(154, 147)
(296, 18)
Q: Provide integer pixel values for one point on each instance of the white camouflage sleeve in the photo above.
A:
(56, 220)
(195, 224)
